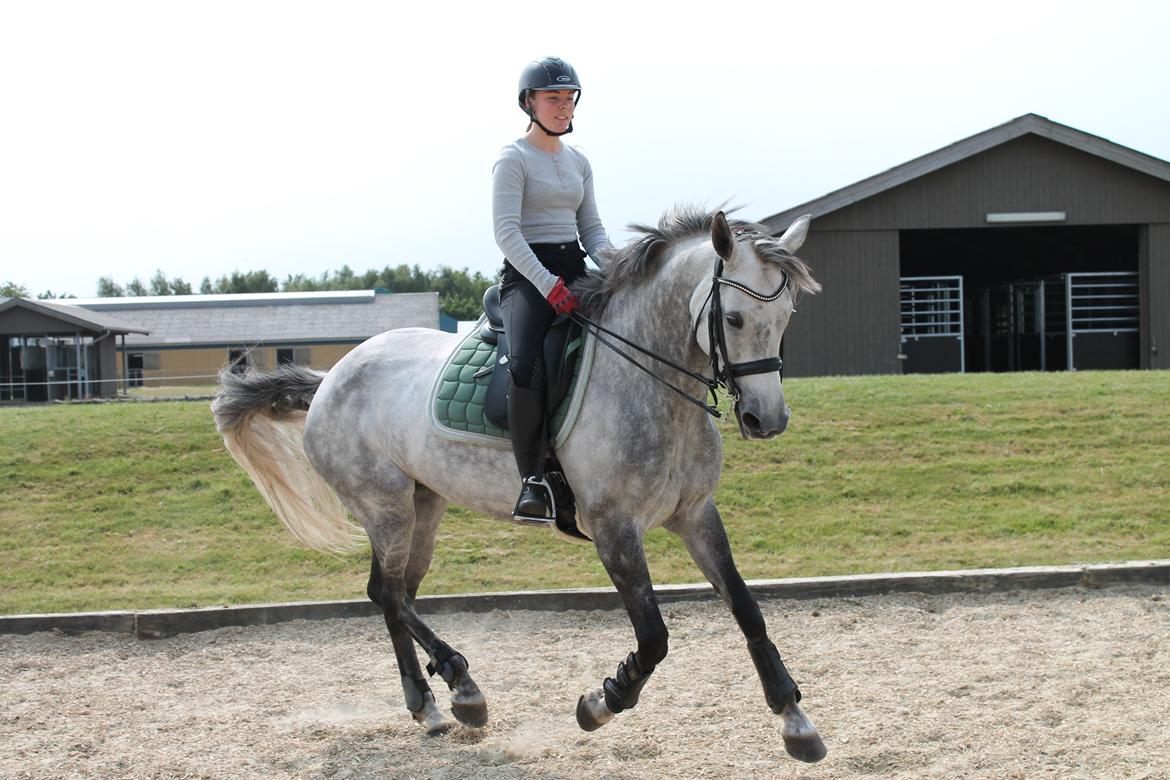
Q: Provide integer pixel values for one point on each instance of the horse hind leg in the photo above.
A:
(706, 540)
(402, 534)
(420, 700)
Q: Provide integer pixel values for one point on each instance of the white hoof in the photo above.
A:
(433, 719)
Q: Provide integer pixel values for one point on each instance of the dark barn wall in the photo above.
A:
(851, 327)
(1029, 173)
(18, 322)
(1154, 272)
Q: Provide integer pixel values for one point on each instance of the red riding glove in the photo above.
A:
(562, 299)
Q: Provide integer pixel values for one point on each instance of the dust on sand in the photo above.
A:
(1049, 684)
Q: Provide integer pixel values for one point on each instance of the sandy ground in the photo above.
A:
(1049, 684)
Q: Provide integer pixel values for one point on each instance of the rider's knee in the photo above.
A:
(527, 373)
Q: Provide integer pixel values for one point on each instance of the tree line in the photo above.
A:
(460, 291)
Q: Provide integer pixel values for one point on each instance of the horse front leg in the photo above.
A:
(624, 559)
(706, 540)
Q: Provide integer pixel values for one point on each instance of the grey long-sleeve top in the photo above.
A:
(539, 197)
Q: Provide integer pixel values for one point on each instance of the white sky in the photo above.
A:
(205, 137)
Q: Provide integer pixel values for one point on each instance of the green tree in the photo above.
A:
(108, 288)
(249, 282)
(50, 295)
(136, 287)
(13, 290)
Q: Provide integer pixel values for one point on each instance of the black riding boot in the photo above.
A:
(526, 424)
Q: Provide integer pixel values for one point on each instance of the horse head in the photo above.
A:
(746, 304)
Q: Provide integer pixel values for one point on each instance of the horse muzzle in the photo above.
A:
(754, 425)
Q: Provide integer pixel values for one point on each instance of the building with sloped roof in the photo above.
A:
(1029, 246)
(187, 339)
(56, 352)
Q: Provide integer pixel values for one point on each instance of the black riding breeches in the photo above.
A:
(527, 314)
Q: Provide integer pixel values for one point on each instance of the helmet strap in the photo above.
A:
(551, 132)
(533, 120)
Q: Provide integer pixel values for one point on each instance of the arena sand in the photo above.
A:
(1046, 684)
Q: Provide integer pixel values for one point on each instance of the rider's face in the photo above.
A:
(554, 109)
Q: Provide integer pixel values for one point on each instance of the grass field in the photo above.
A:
(138, 505)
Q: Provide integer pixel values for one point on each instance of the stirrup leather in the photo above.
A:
(523, 519)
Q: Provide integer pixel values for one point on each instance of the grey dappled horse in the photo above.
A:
(638, 457)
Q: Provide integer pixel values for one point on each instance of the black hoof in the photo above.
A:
(472, 714)
(807, 749)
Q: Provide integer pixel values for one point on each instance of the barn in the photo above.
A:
(55, 352)
(1029, 246)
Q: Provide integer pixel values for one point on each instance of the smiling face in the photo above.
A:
(554, 108)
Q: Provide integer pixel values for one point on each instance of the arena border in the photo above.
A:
(161, 623)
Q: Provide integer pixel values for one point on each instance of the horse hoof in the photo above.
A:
(433, 720)
(470, 710)
(810, 749)
(592, 713)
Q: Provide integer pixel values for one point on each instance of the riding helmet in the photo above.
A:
(548, 74)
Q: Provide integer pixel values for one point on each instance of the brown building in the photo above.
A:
(1030, 246)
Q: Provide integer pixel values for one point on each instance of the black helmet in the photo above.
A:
(550, 73)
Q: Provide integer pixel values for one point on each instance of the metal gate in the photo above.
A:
(1101, 320)
(932, 324)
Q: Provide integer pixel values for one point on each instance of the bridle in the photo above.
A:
(717, 334)
(723, 371)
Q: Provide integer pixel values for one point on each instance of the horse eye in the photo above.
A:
(735, 320)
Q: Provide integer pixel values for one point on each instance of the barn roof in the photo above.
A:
(72, 319)
(920, 166)
(268, 318)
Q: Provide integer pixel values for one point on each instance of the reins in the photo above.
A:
(721, 377)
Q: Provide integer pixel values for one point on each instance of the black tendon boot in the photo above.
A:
(526, 424)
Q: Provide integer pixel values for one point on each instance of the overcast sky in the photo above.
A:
(205, 137)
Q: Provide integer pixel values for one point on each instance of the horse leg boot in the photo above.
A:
(706, 540)
(625, 561)
(420, 701)
(527, 426)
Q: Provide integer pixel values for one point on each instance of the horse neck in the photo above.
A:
(654, 312)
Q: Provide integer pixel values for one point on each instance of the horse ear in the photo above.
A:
(721, 237)
(795, 234)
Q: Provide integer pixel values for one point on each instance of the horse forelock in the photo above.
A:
(643, 255)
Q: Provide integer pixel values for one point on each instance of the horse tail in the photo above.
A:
(261, 417)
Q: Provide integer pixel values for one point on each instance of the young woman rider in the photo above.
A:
(542, 203)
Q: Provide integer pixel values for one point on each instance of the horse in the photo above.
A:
(639, 456)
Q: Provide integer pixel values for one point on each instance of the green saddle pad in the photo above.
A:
(458, 398)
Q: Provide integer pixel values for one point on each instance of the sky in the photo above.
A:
(201, 138)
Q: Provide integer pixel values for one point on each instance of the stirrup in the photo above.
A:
(522, 519)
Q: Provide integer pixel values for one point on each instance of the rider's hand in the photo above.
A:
(562, 299)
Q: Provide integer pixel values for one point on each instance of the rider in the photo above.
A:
(542, 200)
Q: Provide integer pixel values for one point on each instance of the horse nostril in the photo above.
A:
(751, 422)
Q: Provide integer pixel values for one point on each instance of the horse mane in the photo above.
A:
(642, 255)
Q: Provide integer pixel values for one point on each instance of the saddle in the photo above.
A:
(560, 343)
(558, 368)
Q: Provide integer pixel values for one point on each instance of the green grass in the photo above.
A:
(138, 505)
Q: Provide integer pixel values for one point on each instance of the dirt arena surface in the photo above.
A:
(1036, 684)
